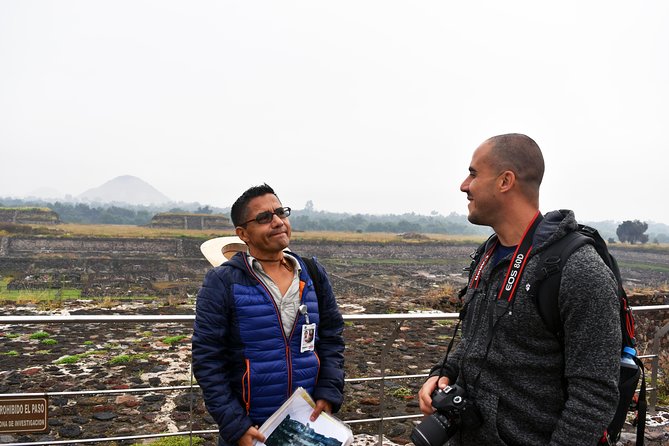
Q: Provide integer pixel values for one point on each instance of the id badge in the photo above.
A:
(308, 338)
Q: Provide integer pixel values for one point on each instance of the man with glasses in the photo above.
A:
(252, 314)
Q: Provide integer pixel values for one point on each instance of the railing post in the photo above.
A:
(655, 364)
(382, 390)
(190, 399)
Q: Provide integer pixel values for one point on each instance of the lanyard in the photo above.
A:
(517, 265)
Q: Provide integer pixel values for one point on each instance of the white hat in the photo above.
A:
(220, 249)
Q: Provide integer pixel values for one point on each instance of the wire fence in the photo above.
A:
(394, 321)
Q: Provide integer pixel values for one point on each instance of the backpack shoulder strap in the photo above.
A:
(315, 275)
(549, 274)
(626, 317)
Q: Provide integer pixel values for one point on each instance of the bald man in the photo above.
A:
(529, 386)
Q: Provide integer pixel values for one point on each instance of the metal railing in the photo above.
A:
(398, 319)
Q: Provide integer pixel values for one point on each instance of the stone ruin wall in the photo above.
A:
(29, 216)
(155, 259)
(190, 221)
(36, 262)
(93, 247)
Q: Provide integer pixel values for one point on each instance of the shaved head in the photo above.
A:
(521, 155)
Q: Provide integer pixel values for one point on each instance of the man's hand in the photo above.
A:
(321, 405)
(425, 393)
(251, 434)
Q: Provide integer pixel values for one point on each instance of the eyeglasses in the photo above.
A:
(266, 217)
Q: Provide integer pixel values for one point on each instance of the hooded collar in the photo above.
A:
(555, 225)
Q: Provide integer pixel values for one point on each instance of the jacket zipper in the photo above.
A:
(246, 387)
(289, 361)
(318, 372)
(286, 341)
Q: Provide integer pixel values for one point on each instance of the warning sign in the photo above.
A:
(23, 414)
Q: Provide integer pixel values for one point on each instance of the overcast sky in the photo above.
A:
(359, 106)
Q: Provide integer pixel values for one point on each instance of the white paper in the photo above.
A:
(325, 431)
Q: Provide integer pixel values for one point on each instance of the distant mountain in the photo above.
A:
(125, 189)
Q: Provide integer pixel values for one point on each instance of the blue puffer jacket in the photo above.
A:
(243, 361)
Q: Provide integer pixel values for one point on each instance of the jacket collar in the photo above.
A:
(555, 225)
(238, 261)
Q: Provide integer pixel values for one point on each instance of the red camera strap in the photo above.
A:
(518, 261)
(517, 265)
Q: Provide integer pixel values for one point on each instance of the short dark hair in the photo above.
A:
(520, 154)
(239, 209)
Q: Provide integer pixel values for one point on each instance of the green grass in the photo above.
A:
(51, 295)
(35, 296)
(49, 341)
(646, 247)
(38, 295)
(120, 359)
(124, 359)
(67, 230)
(174, 441)
(10, 353)
(67, 293)
(645, 266)
(40, 335)
(402, 392)
(173, 339)
(73, 359)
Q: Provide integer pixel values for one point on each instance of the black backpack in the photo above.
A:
(547, 284)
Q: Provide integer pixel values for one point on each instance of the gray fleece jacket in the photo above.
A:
(533, 390)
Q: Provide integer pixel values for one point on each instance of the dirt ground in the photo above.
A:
(367, 278)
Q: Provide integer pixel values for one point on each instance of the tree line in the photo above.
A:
(306, 219)
(91, 214)
(309, 219)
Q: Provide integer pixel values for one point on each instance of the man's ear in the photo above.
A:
(506, 180)
(241, 233)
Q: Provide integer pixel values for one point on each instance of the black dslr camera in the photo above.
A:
(453, 409)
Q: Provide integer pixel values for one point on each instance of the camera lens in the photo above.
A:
(434, 430)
